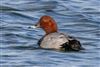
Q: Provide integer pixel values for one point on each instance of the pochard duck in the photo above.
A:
(54, 39)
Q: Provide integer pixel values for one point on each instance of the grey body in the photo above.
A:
(54, 40)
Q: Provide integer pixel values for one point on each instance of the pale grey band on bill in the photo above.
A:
(33, 26)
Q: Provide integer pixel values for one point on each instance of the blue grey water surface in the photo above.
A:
(18, 43)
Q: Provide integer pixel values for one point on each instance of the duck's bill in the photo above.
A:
(35, 26)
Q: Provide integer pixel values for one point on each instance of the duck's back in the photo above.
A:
(59, 41)
(53, 40)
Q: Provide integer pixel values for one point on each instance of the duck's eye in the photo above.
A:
(49, 24)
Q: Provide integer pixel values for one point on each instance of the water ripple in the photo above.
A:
(18, 43)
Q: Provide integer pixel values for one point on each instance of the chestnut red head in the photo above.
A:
(48, 24)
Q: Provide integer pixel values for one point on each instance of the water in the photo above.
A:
(79, 18)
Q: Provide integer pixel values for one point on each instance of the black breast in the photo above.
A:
(39, 42)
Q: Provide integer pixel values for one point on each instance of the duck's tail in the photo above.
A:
(72, 45)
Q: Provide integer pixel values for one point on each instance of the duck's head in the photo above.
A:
(47, 23)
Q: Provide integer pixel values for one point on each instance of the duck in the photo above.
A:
(53, 39)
